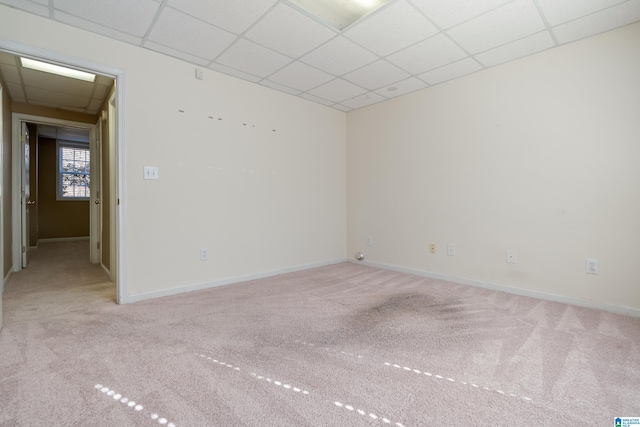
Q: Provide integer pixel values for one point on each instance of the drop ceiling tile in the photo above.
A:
(100, 91)
(54, 98)
(363, 100)
(451, 71)
(427, 55)
(248, 57)
(103, 80)
(342, 108)
(94, 106)
(558, 12)
(376, 75)
(391, 29)
(65, 18)
(176, 53)
(339, 56)
(317, 99)
(503, 25)
(16, 91)
(608, 19)
(184, 33)
(10, 73)
(300, 76)
(337, 90)
(446, 14)
(39, 9)
(280, 87)
(7, 58)
(409, 85)
(134, 18)
(32, 78)
(231, 15)
(233, 72)
(275, 31)
(523, 47)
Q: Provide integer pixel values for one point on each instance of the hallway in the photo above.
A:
(59, 279)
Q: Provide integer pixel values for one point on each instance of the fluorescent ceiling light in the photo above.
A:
(57, 69)
(340, 13)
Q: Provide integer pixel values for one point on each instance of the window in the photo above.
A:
(74, 176)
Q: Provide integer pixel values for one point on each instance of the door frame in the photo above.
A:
(120, 154)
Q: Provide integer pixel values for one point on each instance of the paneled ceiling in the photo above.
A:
(405, 46)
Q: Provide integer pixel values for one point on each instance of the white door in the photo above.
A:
(26, 191)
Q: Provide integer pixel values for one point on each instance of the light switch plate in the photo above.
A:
(150, 172)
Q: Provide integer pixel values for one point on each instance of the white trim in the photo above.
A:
(223, 282)
(63, 239)
(628, 311)
(119, 75)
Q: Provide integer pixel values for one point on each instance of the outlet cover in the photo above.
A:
(451, 250)
(432, 248)
(592, 266)
(204, 254)
(369, 241)
(512, 256)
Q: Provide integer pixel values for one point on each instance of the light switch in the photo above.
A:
(150, 172)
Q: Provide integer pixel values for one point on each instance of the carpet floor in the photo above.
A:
(342, 345)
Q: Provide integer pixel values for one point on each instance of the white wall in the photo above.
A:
(541, 156)
(259, 200)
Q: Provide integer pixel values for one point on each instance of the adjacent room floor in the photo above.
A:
(343, 345)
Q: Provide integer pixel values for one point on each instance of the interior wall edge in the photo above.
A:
(611, 308)
(224, 282)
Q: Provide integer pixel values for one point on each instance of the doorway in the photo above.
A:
(17, 201)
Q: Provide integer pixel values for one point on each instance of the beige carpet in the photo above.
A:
(344, 345)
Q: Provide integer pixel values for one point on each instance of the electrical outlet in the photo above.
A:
(369, 241)
(592, 266)
(204, 254)
(451, 250)
(512, 256)
(432, 248)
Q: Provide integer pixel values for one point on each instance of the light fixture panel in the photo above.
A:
(57, 69)
(339, 13)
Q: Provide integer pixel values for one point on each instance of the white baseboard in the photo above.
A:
(628, 311)
(62, 239)
(223, 282)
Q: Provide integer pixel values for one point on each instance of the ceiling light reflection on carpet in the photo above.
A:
(57, 69)
(340, 13)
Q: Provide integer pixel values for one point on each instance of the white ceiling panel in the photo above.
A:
(251, 58)
(376, 75)
(427, 55)
(232, 15)
(131, 17)
(559, 12)
(339, 56)
(7, 58)
(363, 100)
(176, 53)
(49, 97)
(278, 45)
(184, 33)
(275, 29)
(608, 19)
(451, 71)
(279, 87)
(32, 78)
(233, 72)
(446, 14)
(523, 47)
(16, 90)
(505, 24)
(10, 73)
(409, 85)
(38, 7)
(74, 21)
(94, 106)
(337, 90)
(300, 76)
(392, 28)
